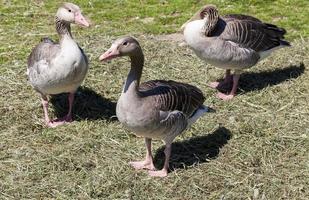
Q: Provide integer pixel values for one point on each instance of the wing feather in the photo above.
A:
(46, 50)
(253, 34)
(172, 96)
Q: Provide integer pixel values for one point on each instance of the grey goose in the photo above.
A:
(232, 42)
(155, 109)
(55, 68)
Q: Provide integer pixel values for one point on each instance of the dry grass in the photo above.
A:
(254, 147)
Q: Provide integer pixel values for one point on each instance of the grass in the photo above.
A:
(254, 147)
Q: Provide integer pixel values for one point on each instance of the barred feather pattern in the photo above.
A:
(211, 14)
(244, 30)
(254, 35)
(171, 95)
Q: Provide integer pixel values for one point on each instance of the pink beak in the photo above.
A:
(111, 53)
(80, 20)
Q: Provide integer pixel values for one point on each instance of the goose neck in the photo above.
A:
(63, 29)
(134, 76)
(210, 23)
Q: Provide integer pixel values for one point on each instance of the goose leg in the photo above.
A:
(163, 172)
(226, 82)
(148, 162)
(45, 108)
(233, 91)
(68, 117)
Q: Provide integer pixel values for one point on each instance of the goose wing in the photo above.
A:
(252, 33)
(84, 55)
(43, 52)
(173, 96)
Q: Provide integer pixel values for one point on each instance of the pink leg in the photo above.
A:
(233, 91)
(148, 162)
(45, 108)
(227, 80)
(68, 117)
(163, 172)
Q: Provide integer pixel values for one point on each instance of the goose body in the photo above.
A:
(150, 112)
(220, 53)
(62, 72)
(55, 68)
(231, 42)
(155, 109)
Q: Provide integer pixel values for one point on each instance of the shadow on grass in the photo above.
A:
(87, 105)
(196, 150)
(258, 80)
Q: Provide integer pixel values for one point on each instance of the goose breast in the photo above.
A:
(62, 70)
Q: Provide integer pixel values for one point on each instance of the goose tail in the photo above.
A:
(285, 43)
(199, 112)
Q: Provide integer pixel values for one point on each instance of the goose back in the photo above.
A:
(241, 17)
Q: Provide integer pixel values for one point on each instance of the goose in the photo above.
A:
(55, 68)
(155, 109)
(232, 42)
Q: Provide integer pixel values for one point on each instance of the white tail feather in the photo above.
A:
(199, 113)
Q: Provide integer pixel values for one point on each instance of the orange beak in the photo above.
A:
(111, 53)
(80, 20)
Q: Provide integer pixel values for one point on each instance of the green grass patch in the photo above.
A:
(254, 147)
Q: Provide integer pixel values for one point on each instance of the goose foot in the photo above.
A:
(146, 164)
(220, 85)
(226, 83)
(214, 85)
(59, 121)
(225, 97)
(159, 173)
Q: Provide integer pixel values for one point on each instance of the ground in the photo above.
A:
(253, 147)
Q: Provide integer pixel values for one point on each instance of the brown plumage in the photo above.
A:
(154, 109)
(233, 42)
(171, 95)
(247, 31)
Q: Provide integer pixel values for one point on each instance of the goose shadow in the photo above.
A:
(87, 105)
(195, 150)
(253, 81)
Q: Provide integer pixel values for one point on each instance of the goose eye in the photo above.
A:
(70, 10)
(125, 43)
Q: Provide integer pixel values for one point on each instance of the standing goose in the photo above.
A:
(232, 42)
(155, 109)
(59, 68)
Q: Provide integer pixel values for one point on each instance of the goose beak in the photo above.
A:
(80, 20)
(111, 53)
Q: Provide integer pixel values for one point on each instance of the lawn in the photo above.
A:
(253, 147)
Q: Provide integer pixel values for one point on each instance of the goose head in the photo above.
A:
(71, 13)
(207, 13)
(127, 46)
